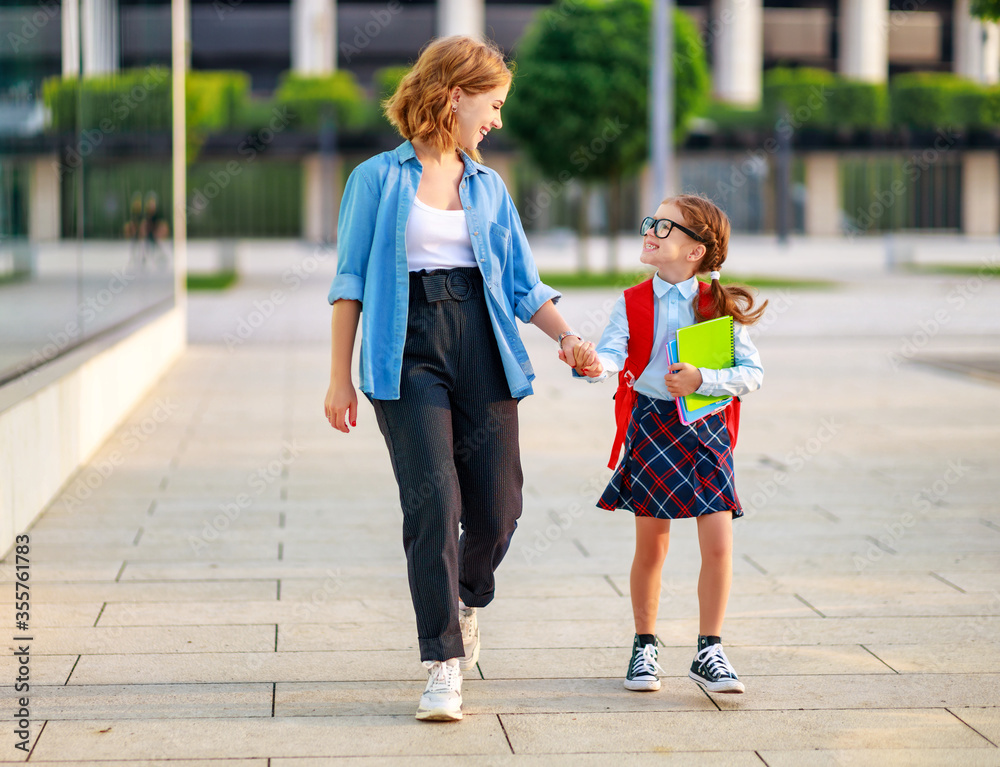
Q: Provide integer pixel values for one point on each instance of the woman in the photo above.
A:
(431, 246)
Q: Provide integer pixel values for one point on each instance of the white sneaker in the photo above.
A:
(470, 636)
(442, 698)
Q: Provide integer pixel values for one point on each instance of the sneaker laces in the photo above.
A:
(443, 676)
(716, 661)
(467, 622)
(645, 662)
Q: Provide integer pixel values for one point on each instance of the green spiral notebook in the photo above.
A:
(710, 345)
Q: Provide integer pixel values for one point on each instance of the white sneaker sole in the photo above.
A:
(439, 715)
(727, 686)
(642, 685)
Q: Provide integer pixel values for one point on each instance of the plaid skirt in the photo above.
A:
(671, 470)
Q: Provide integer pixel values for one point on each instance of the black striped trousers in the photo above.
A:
(453, 441)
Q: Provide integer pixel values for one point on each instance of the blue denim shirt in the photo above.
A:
(372, 266)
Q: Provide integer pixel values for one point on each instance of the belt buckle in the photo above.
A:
(459, 286)
(629, 379)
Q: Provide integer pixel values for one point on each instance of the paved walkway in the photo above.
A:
(225, 580)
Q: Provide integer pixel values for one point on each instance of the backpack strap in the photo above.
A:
(639, 313)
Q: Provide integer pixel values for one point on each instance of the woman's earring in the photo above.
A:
(454, 107)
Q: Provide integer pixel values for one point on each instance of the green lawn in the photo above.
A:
(624, 280)
(211, 281)
(958, 270)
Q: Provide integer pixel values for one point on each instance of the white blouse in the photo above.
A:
(437, 239)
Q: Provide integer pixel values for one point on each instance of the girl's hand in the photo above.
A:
(587, 361)
(341, 403)
(683, 379)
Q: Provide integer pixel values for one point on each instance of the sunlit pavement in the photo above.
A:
(225, 579)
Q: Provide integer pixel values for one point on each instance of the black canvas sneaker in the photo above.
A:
(641, 675)
(713, 671)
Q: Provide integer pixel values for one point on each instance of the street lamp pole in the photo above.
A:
(661, 100)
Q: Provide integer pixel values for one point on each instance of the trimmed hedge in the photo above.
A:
(932, 99)
(816, 98)
(308, 97)
(139, 101)
(129, 100)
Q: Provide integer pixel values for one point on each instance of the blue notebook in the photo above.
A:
(687, 415)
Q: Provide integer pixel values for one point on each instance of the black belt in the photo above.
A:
(454, 284)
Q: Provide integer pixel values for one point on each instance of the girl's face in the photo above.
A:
(478, 113)
(678, 255)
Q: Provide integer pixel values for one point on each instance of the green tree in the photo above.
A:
(987, 10)
(579, 107)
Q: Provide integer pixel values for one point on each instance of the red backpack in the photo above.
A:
(639, 302)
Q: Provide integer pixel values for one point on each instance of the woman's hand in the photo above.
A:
(683, 379)
(567, 351)
(340, 406)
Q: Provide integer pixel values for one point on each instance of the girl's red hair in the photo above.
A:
(709, 222)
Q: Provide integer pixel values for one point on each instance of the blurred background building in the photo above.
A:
(102, 182)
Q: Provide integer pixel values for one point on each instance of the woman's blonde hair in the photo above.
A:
(708, 221)
(421, 106)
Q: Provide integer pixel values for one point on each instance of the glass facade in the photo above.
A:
(85, 177)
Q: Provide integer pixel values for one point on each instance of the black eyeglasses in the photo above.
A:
(663, 226)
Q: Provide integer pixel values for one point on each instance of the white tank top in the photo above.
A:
(437, 239)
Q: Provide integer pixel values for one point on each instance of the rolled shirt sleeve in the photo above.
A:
(745, 376)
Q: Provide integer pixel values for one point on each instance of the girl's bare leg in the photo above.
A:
(652, 538)
(715, 538)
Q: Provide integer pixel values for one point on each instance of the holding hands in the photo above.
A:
(582, 357)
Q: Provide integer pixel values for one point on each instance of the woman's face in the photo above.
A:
(478, 113)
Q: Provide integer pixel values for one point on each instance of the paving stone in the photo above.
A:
(882, 757)
(119, 536)
(977, 653)
(161, 763)
(985, 721)
(202, 549)
(690, 759)
(243, 613)
(930, 604)
(186, 591)
(845, 691)
(738, 730)
(53, 614)
(232, 570)
(111, 739)
(248, 667)
(160, 639)
(154, 701)
(320, 637)
(42, 669)
(48, 572)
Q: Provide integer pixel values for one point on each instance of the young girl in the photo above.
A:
(670, 470)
